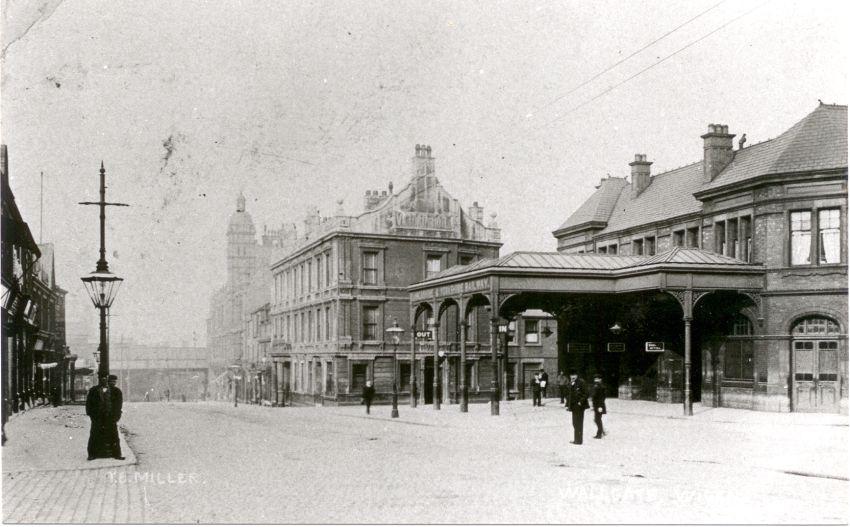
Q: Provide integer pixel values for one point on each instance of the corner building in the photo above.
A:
(722, 282)
(341, 288)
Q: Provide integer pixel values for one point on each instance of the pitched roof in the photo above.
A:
(817, 142)
(668, 195)
(599, 205)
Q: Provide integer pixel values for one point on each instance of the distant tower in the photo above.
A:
(241, 245)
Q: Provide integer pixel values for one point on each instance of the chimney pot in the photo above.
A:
(717, 151)
(640, 174)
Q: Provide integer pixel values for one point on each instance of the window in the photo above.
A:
(370, 323)
(328, 323)
(329, 378)
(602, 250)
(815, 326)
(679, 239)
(358, 377)
(403, 376)
(319, 273)
(466, 259)
(733, 246)
(720, 237)
(531, 334)
(650, 246)
(746, 239)
(319, 336)
(829, 236)
(612, 249)
(309, 276)
(328, 268)
(693, 237)
(433, 265)
(801, 237)
(370, 268)
(637, 247)
(738, 360)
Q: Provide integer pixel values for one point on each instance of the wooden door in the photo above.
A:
(815, 375)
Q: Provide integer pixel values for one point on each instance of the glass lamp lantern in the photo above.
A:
(102, 287)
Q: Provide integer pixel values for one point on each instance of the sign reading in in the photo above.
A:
(423, 335)
(655, 347)
(616, 347)
(578, 347)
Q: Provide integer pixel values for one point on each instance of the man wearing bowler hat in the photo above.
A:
(597, 396)
(577, 404)
(103, 405)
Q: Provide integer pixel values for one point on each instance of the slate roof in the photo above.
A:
(599, 205)
(817, 142)
(669, 195)
(591, 262)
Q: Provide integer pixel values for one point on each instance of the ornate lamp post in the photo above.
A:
(396, 333)
(101, 285)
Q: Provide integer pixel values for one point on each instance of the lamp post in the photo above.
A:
(101, 285)
(395, 332)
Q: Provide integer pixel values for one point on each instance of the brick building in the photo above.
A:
(724, 281)
(336, 293)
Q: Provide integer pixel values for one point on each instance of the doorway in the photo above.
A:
(814, 366)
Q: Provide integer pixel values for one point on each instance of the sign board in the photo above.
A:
(616, 347)
(578, 347)
(654, 347)
(423, 335)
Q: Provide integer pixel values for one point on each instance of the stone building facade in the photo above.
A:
(229, 342)
(344, 284)
(781, 203)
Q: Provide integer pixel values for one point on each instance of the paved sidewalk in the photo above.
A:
(47, 478)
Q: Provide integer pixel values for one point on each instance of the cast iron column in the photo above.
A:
(436, 367)
(464, 401)
(413, 366)
(689, 409)
(494, 384)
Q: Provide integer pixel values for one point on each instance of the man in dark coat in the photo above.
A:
(597, 397)
(535, 390)
(577, 404)
(368, 395)
(544, 381)
(103, 405)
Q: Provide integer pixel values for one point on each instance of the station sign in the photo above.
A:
(423, 335)
(655, 347)
(616, 347)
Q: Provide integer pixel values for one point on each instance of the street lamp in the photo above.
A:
(395, 332)
(101, 285)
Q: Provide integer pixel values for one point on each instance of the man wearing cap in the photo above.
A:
(103, 405)
(597, 396)
(577, 404)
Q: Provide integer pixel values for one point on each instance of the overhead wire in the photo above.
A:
(644, 70)
(612, 66)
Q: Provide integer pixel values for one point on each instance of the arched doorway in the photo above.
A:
(815, 365)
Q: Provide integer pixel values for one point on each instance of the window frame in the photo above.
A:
(368, 272)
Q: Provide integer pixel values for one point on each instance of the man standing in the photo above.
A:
(544, 381)
(563, 381)
(535, 390)
(597, 396)
(577, 404)
(368, 395)
(103, 405)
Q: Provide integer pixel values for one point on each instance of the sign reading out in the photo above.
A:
(616, 347)
(423, 335)
(655, 347)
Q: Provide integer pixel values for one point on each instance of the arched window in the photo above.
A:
(815, 327)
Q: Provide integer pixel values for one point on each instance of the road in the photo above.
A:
(212, 463)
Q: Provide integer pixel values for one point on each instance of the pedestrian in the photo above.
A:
(368, 395)
(597, 397)
(544, 381)
(167, 396)
(103, 405)
(535, 390)
(147, 396)
(563, 382)
(577, 404)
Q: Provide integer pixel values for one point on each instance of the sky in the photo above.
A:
(301, 103)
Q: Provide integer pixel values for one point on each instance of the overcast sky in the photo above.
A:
(302, 103)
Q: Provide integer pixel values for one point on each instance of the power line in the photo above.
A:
(644, 70)
(611, 67)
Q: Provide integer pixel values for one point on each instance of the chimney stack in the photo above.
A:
(640, 174)
(717, 151)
